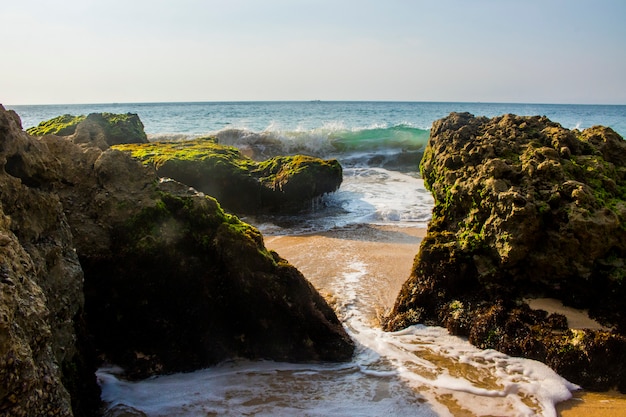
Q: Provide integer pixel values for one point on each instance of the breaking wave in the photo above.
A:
(376, 145)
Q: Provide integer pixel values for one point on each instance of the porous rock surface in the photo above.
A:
(524, 208)
(44, 366)
(100, 257)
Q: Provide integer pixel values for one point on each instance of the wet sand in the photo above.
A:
(577, 319)
(390, 253)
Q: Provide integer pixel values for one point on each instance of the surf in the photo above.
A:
(394, 144)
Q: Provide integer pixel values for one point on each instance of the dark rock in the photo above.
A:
(523, 207)
(186, 285)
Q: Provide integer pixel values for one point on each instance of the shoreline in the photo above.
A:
(391, 250)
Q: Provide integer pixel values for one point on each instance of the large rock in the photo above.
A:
(187, 285)
(45, 365)
(524, 207)
(171, 282)
(242, 185)
(96, 129)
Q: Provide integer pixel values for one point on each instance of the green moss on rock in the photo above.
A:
(117, 128)
(62, 125)
(523, 207)
(188, 285)
(241, 184)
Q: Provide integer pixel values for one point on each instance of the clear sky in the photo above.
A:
(539, 51)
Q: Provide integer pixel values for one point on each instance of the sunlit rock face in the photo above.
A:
(524, 207)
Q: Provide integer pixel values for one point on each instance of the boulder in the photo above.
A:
(524, 207)
(241, 185)
(96, 129)
(184, 285)
(61, 125)
(99, 259)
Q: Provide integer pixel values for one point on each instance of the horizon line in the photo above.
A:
(118, 103)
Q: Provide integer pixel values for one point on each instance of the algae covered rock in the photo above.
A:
(239, 183)
(61, 125)
(181, 284)
(187, 286)
(105, 128)
(523, 207)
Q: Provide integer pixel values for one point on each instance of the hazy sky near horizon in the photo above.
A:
(539, 51)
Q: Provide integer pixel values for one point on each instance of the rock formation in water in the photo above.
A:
(240, 184)
(523, 208)
(96, 129)
(98, 256)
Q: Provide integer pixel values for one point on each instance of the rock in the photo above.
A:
(241, 185)
(62, 126)
(100, 257)
(96, 129)
(524, 207)
(45, 368)
(185, 285)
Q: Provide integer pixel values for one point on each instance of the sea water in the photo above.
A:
(420, 371)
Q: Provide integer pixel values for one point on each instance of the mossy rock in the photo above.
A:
(523, 208)
(100, 260)
(302, 176)
(190, 285)
(64, 125)
(530, 206)
(118, 128)
(242, 185)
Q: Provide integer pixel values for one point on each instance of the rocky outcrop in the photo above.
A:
(524, 207)
(184, 285)
(45, 365)
(98, 256)
(96, 129)
(240, 184)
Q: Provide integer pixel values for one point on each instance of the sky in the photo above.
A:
(116, 51)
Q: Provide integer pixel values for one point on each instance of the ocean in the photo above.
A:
(420, 371)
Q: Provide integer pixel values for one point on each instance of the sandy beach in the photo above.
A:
(390, 253)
